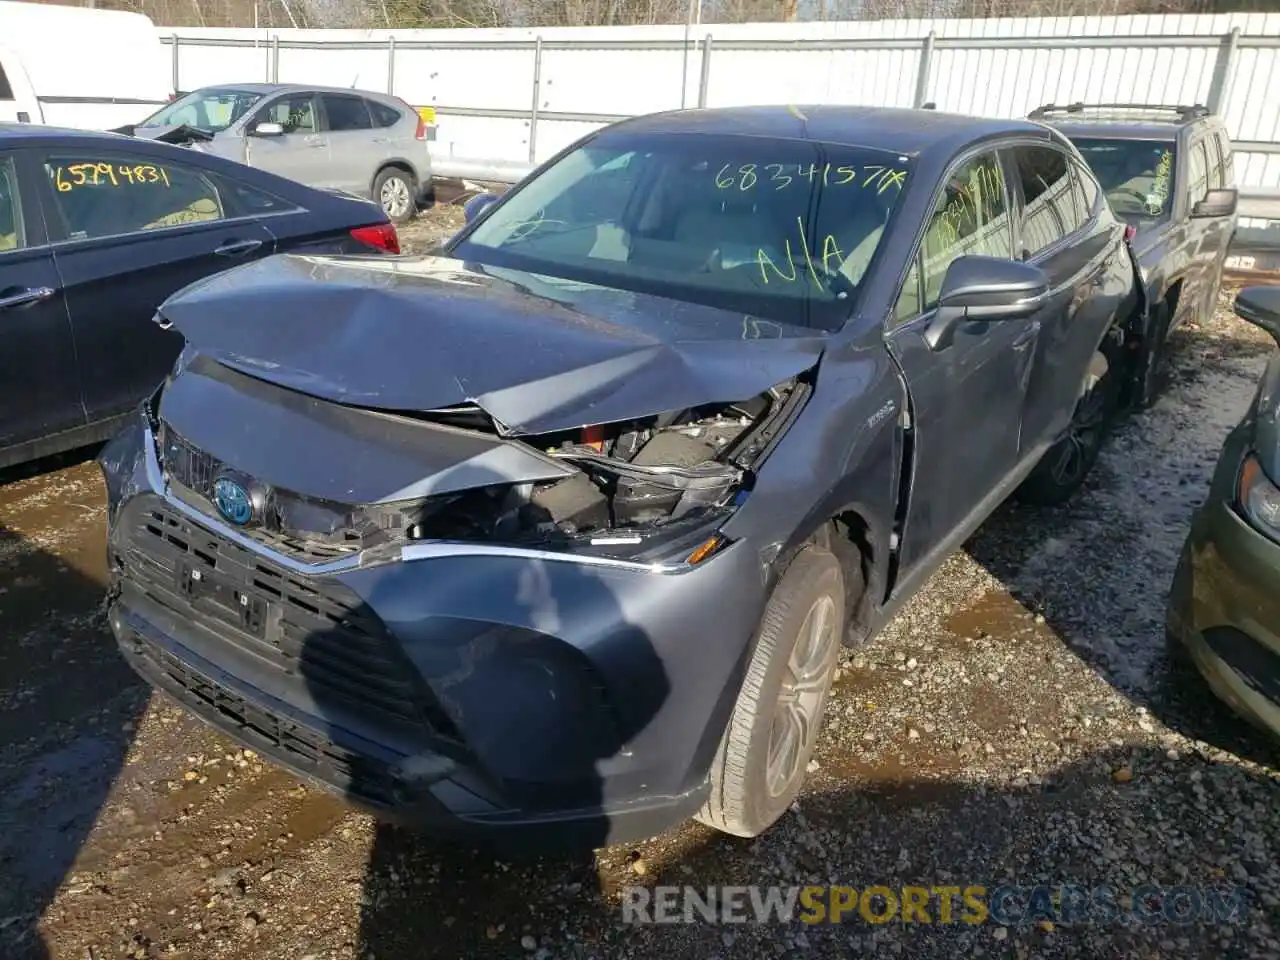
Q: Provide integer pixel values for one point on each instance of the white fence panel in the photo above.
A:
(482, 82)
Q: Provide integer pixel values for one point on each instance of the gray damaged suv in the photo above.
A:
(368, 144)
(560, 532)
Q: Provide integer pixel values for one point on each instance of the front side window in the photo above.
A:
(780, 229)
(210, 110)
(1136, 175)
(1197, 174)
(11, 233)
(6, 91)
(295, 114)
(1214, 152)
(106, 196)
(345, 113)
(970, 217)
(1049, 210)
(1228, 160)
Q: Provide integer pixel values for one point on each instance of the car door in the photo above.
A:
(1198, 237)
(39, 386)
(132, 228)
(1218, 231)
(966, 398)
(1061, 230)
(300, 153)
(356, 151)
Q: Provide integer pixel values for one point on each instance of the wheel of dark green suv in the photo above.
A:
(396, 192)
(1065, 465)
(764, 754)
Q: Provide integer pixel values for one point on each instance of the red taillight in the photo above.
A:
(421, 132)
(1130, 231)
(380, 236)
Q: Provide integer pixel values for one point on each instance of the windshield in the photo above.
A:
(211, 110)
(780, 229)
(1136, 175)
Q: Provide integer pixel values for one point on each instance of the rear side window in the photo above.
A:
(6, 91)
(383, 116)
(245, 200)
(106, 196)
(11, 234)
(1049, 211)
(346, 113)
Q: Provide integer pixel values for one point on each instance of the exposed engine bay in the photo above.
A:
(618, 483)
(632, 476)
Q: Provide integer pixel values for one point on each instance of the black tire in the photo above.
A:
(1151, 374)
(1064, 466)
(401, 203)
(742, 801)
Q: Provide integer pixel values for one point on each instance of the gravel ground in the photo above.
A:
(1016, 724)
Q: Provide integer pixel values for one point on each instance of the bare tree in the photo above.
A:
(555, 13)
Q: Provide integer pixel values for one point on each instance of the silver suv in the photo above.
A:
(368, 144)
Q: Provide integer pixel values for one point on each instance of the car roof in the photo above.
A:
(905, 131)
(268, 88)
(38, 131)
(1121, 121)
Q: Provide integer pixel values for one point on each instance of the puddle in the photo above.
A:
(994, 615)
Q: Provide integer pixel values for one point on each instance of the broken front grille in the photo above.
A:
(313, 629)
(193, 472)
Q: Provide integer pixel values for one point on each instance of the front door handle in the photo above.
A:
(237, 248)
(25, 297)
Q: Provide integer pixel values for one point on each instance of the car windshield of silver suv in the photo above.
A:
(1136, 175)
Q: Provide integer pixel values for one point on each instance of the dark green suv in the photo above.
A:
(1168, 173)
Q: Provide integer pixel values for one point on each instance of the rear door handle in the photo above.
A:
(237, 248)
(24, 297)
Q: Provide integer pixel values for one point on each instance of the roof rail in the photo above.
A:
(1183, 112)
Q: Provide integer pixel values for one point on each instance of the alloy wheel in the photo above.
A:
(801, 698)
(394, 197)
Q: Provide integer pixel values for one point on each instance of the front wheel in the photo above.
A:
(762, 760)
(1152, 366)
(395, 191)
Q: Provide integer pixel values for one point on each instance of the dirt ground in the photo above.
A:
(1017, 723)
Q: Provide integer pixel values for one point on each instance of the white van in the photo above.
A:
(77, 67)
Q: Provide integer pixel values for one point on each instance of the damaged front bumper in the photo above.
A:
(455, 686)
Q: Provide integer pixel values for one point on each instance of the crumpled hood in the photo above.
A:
(177, 133)
(537, 354)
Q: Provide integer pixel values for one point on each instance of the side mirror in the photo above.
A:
(1216, 203)
(478, 205)
(1261, 307)
(268, 129)
(981, 289)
